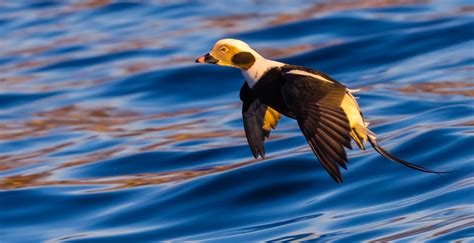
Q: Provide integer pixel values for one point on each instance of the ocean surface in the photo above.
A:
(110, 132)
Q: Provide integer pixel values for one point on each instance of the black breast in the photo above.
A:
(268, 90)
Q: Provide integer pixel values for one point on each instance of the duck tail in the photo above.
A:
(373, 141)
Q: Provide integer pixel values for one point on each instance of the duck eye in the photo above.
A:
(224, 49)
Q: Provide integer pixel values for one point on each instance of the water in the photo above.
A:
(109, 131)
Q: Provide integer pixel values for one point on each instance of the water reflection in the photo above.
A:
(440, 88)
(97, 115)
(323, 7)
(114, 183)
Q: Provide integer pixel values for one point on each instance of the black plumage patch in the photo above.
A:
(316, 105)
(253, 112)
(243, 60)
(268, 90)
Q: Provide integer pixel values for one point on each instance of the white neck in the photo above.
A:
(258, 69)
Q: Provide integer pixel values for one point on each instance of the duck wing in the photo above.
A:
(316, 102)
(259, 119)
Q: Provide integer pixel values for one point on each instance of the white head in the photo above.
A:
(238, 54)
(232, 53)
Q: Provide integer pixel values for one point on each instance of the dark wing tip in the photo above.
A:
(257, 150)
(262, 153)
(327, 164)
(338, 179)
(255, 154)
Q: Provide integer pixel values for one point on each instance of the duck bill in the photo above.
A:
(208, 58)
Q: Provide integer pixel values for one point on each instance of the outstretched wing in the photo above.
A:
(316, 102)
(258, 119)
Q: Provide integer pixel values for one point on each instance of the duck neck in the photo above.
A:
(258, 69)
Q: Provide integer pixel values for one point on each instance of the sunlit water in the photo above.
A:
(109, 130)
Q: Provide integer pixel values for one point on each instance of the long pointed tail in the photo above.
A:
(360, 133)
(373, 141)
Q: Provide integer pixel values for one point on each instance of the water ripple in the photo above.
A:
(110, 132)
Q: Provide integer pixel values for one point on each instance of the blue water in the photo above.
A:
(109, 131)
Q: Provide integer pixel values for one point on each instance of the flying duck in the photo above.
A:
(326, 110)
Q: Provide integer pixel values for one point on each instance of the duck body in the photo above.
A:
(326, 111)
(268, 90)
(318, 102)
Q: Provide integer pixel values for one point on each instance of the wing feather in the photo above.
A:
(317, 106)
(258, 119)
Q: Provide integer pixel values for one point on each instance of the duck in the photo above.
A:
(326, 111)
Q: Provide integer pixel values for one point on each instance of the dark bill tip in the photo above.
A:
(207, 59)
